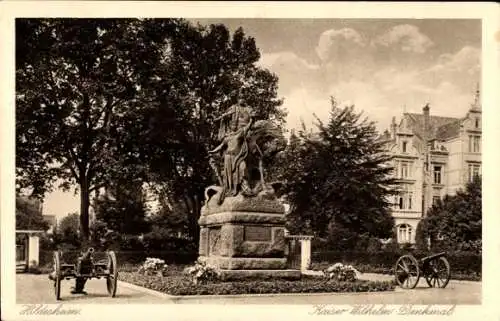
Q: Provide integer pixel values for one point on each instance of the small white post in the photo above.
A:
(33, 250)
(305, 254)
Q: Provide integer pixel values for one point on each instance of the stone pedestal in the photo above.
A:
(245, 237)
(33, 251)
(305, 249)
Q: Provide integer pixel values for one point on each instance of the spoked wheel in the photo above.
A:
(407, 272)
(112, 278)
(438, 273)
(57, 275)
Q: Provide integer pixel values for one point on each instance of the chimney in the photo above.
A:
(393, 128)
(426, 110)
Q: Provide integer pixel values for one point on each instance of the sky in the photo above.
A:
(383, 66)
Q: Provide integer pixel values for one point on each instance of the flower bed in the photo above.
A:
(183, 285)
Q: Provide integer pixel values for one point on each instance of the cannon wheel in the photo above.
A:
(438, 272)
(112, 278)
(57, 276)
(407, 272)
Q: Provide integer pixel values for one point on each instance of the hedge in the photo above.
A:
(464, 265)
(126, 257)
(181, 285)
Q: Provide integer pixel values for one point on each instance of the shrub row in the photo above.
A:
(464, 265)
(183, 286)
(127, 257)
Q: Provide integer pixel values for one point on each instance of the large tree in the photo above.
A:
(209, 70)
(455, 220)
(337, 180)
(99, 99)
(79, 96)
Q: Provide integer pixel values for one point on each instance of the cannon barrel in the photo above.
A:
(434, 256)
(87, 254)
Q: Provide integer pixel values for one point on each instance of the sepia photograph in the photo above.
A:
(329, 162)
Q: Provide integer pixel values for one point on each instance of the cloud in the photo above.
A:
(293, 71)
(302, 104)
(461, 68)
(338, 44)
(408, 37)
(377, 75)
(366, 96)
(285, 59)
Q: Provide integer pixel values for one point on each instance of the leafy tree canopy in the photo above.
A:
(122, 208)
(337, 180)
(68, 231)
(456, 219)
(28, 215)
(98, 99)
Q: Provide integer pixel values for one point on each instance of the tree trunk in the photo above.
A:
(84, 210)
(193, 211)
(196, 214)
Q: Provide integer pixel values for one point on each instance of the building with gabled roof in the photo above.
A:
(432, 156)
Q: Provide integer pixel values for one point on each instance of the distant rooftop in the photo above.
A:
(441, 128)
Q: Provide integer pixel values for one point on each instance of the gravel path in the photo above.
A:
(38, 289)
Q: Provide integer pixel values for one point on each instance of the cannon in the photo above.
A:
(434, 268)
(85, 268)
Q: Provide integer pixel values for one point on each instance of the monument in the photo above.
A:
(242, 222)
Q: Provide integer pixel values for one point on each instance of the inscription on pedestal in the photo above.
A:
(258, 233)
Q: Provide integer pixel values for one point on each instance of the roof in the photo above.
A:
(449, 130)
(441, 128)
(386, 136)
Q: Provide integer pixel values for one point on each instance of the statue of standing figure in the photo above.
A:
(240, 136)
(235, 125)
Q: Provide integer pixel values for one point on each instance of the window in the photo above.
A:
(474, 170)
(435, 199)
(437, 174)
(404, 201)
(404, 233)
(404, 146)
(406, 169)
(474, 144)
(401, 202)
(477, 122)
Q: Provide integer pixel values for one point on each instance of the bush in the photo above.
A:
(125, 258)
(153, 266)
(184, 286)
(201, 272)
(159, 242)
(33, 268)
(170, 257)
(463, 264)
(131, 243)
(341, 272)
